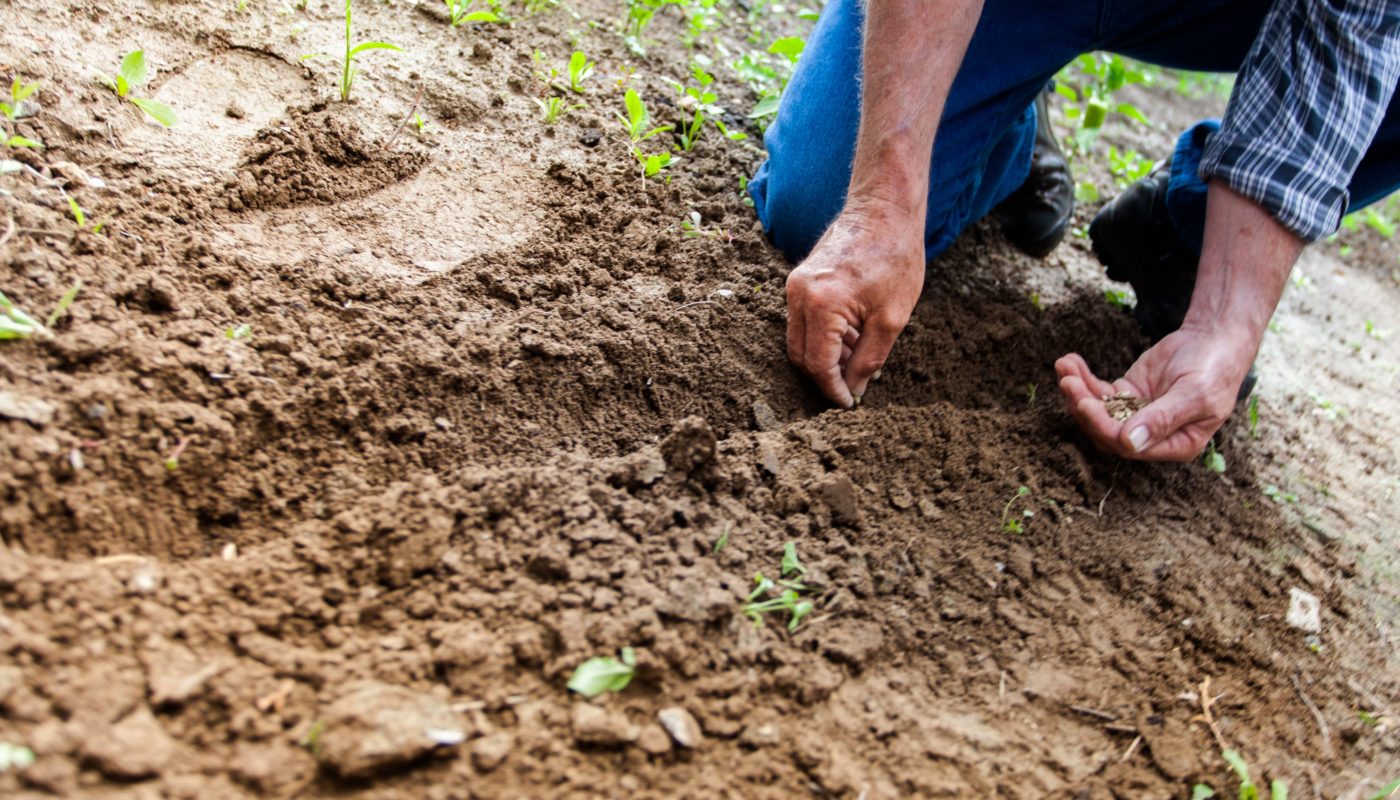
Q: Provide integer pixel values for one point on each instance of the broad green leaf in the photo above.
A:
(636, 112)
(156, 110)
(134, 69)
(1068, 93)
(768, 104)
(1131, 111)
(363, 46)
(1202, 792)
(790, 46)
(603, 674)
(1278, 790)
(479, 16)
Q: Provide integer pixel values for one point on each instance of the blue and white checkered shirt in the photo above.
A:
(1306, 105)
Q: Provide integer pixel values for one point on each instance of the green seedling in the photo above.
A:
(789, 47)
(1213, 461)
(791, 564)
(15, 756)
(132, 74)
(1278, 495)
(604, 674)
(81, 217)
(554, 108)
(579, 70)
(1374, 332)
(1254, 416)
(19, 92)
(1127, 167)
(347, 64)
(1389, 791)
(690, 134)
(1086, 191)
(1089, 84)
(172, 461)
(1327, 408)
(64, 302)
(653, 163)
(1278, 790)
(237, 332)
(457, 11)
(637, 119)
(1030, 394)
(311, 740)
(1118, 299)
(1010, 524)
(723, 540)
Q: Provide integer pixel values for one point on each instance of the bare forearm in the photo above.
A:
(1245, 263)
(913, 49)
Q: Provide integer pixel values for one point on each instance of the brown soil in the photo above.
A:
(496, 410)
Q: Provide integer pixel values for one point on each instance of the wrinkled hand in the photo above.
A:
(1190, 379)
(848, 302)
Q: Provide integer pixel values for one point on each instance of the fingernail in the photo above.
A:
(855, 400)
(1139, 437)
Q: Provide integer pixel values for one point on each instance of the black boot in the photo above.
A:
(1134, 238)
(1036, 216)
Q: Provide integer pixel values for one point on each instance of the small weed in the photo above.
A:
(81, 217)
(458, 13)
(1213, 461)
(791, 564)
(1374, 332)
(63, 303)
(132, 74)
(237, 332)
(579, 70)
(1390, 790)
(790, 597)
(1030, 394)
(1086, 191)
(1118, 299)
(19, 90)
(311, 740)
(723, 540)
(1278, 495)
(15, 756)
(347, 71)
(1325, 407)
(1127, 167)
(604, 674)
(1254, 416)
(554, 107)
(1010, 524)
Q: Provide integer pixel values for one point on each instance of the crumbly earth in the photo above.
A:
(494, 409)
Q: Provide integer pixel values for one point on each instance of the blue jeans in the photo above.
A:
(983, 149)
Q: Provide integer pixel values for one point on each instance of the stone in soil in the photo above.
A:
(136, 747)
(681, 725)
(491, 750)
(376, 728)
(602, 727)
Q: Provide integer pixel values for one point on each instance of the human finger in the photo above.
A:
(877, 338)
(821, 357)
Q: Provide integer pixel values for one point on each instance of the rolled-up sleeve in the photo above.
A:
(1307, 103)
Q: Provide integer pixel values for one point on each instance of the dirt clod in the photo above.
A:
(135, 747)
(376, 727)
(602, 727)
(491, 750)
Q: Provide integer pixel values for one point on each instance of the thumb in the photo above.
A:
(876, 340)
(1163, 417)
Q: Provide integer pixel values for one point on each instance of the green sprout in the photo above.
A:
(579, 70)
(132, 74)
(19, 91)
(1117, 298)
(64, 302)
(791, 564)
(1254, 416)
(15, 756)
(15, 324)
(81, 217)
(789, 600)
(653, 163)
(311, 740)
(604, 674)
(1030, 394)
(1374, 332)
(1010, 524)
(723, 540)
(347, 74)
(637, 119)
(458, 13)
(244, 331)
(1213, 460)
(1390, 790)
(1278, 495)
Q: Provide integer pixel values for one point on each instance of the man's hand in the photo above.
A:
(1190, 380)
(1191, 377)
(852, 296)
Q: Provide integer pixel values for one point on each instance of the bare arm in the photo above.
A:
(848, 302)
(1191, 377)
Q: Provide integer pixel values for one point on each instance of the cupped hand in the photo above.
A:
(848, 302)
(1190, 380)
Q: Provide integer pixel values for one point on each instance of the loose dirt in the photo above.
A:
(494, 409)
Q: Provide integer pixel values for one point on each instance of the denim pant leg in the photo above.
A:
(1377, 176)
(983, 148)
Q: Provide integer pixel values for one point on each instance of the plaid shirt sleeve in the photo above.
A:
(1307, 103)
